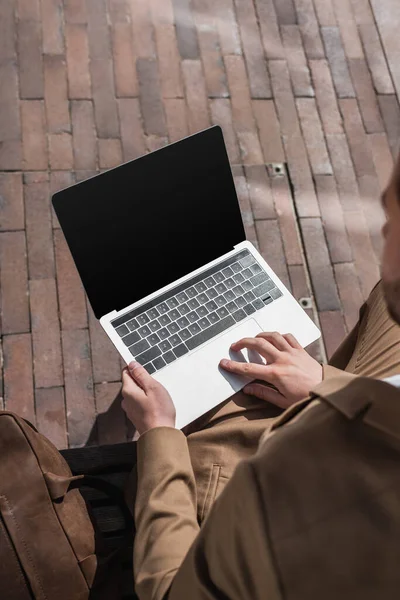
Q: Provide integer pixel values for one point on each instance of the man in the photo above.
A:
(315, 512)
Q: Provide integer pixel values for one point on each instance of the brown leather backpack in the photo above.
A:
(47, 540)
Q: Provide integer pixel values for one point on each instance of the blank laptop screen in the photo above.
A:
(137, 228)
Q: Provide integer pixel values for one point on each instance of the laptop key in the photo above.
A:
(240, 302)
(230, 283)
(180, 350)
(122, 330)
(131, 338)
(149, 355)
(159, 363)
(213, 317)
(275, 293)
(202, 298)
(222, 312)
(221, 301)
(182, 297)
(219, 277)
(258, 304)
(194, 328)
(210, 282)
(236, 267)
(184, 309)
(154, 325)
(239, 291)
(227, 272)
(193, 303)
(150, 368)
(139, 347)
(200, 287)
(247, 285)
(238, 278)
(153, 339)
(239, 315)
(209, 333)
(175, 340)
(249, 309)
(193, 316)
(256, 269)
(247, 273)
(185, 334)
(230, 295)
(174, 314)
(143, 319)
(169, 357)
(173, 328)
(164, 346)
(221, 288)
(264, 288)
(172, 302)
(202, 311)
(133, 324)
(267, 299)
(191, 292)
(163, 333)
(248, 260)
(231, 306)
(204, 323)
(164, 320)
(211, 305)
(212, 293)
(153, 313)
(144, 331)
(260, 278)
(163, 308)
(249, 296)
(183, 322)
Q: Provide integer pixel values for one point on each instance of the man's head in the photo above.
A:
(391, 251)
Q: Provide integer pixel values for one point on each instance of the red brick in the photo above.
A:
(77, 54)
(332, 218)
(84, 136)
(75, 11)
(82, 175)
(326, 97)
(47, 359)
(210, 50)
(297, 62)
(126, 84)
(38, 231)
(30, 61)
(376, 59)
(196, 96)
(391, 115)
(71, 296)
(111, 423)
(259, 82)
(325, 13)
(177, 125)
(269, 131)
(79, 394)
(286, 12)
(155, 142)
(382, 158)
(321, 271)
(349, 292)
(301, 178)
(333, 330)
(56, 94)
(143, 32)
(50, 415)
(337, 62)
(59, 180)
(52, 26)
(314, 136)
(98, 29)
(375, 217)
(169, 62)
(18, 379)
(221, 114)
(34, 135)
(11, 202)
(10, 154)
(227, 27)
(105, 106)
(60, 148)
(271, 248)
(284, 100)
(287, 220)
(133, 143)
(10, 126)
(357, 139)
(387, 17)
(245, 205)
(362, 12)
(150, 97)
(309, 29)
(343, 171)
(30, 177)
(14, 283)
(366, 96)
(7, 32)
(348, 29)
(105, 358)
(110, 153)
(260, 193)
(185, 30)
(270, 35)
(162, 12)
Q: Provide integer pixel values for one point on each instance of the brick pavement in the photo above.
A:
(85, 84)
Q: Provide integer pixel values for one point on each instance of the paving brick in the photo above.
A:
(58, 181)
(337, 62)
(177, 125)
(150, 97)
(333, 330)
(110, 153)
(39, 231)
(244, 203)
(105, 106)
(50, 415)
(77, 54)
(313, 136)
(326, 97)
(132, 138)
(196, 96)
(391, 116)
(376, 59)
(52, 26)
(285, 12)
(111, 423)
(126, 84)
(84, 136)
(221, 114)
(321, 271)
(332, 218)
(269, 27)
(79, 396)
(366, 96)
(82, 175)
(210, 51)
(56, 94)
(7, 32)
(259, 83)
(60, 149)
(227, 27)
(382, 157)
(269, 131)
(98, 29)
(10, 155)
(47, 361)
(18, 379)
(348, 29)
(71, 296)
(309, 27)
(30, 60)
(185, 30)
(284, 208)
(325, 13)
(271, 248)
(301, 178)
(387, 16)
(284, 100)
(105, 358)
(162, 12)
(143, 31)
(169, 62)
(357, 138)
(349, 292)
(11, 202)
(14, 283)
(155, 142)
(370, 200)
(344, 171)
(259, 188)
(10, 125)
(362, 12)
(297, 62)
(34, 140)
(75, 11)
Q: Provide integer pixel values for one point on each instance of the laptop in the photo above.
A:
(160, 247)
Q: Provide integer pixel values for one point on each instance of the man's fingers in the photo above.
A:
(292, 341)
(250, 370)
(276, 339)
(266, 393)
(263, 347)
(130, 386)
(140, 375)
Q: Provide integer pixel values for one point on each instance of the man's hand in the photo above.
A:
(146, 402)
(289, 368)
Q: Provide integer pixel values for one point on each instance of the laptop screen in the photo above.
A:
(139, 227)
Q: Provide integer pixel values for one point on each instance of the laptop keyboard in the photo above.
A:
(166, 328)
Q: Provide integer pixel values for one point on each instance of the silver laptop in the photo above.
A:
(160, 246)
